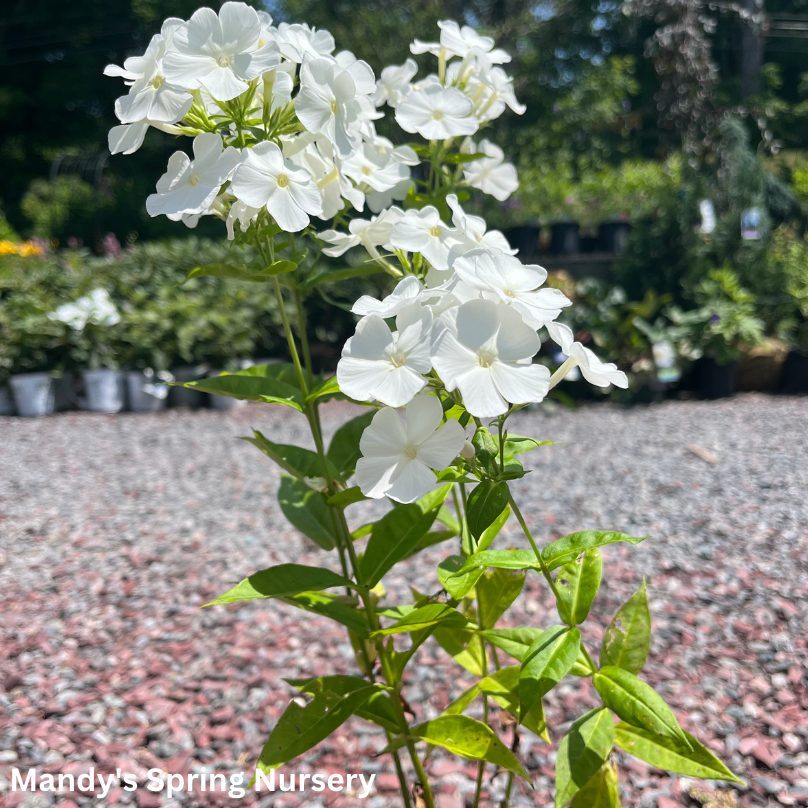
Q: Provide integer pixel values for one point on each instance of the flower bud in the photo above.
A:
(468, 450)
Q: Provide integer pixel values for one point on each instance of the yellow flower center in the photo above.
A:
(223, 61)
(411, 451)
(486, 359)
(157, 82)
(366, 171)
(508, 293)
(434, 231)
(194, 180)
(398, 359)
(437, 115)
(334, 107)
(283, 180)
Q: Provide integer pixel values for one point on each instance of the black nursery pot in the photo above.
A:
(565, 238)
(714, 380)
(614, 237)
(795, 374)
(524, 238)
(184, 396)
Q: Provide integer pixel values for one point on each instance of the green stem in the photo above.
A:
(508, 789)
(304, 339)
(344, 532)
(481, 765)
(536, 551)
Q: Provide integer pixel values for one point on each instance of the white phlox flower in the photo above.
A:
(405, 155)
(378, 173)
(594, 370)
(386, 366)
(473, 229)
(437, 113)
(191, 186)
(394, 83)
(422, 231)
(220, 53)
(464, 42)
(370, 234)
(242, 214)
(485, 350)
(333, 100)
(299, 42)
(505, 279)
(409, 290)
(490, 174)
(398, 457)
(316, 157)
(96, 308)
(492, 90)
(276, 87)
(150, 96)
(265, 179)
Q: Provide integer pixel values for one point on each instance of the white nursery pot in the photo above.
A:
(104, 391)
(146, 394)
(223, 402)
(33, 394)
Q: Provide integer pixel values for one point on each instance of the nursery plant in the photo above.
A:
(283, 142)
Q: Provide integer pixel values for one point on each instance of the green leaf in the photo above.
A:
(492, 531)
(636, 702)
(332, 606)
(394, 536)
(513, 641)
(281, 267)
(547, 661)
(378, 708)
(343, 450)
(432, 614)
(339, 275)
(628, 637)
(692, 759)
(466, 737)
(326, 387)
(307, 511)
(516, 444)
(577, 585)
(567, 548)
(301, 728)
(458, 587)
(284, 579)
(342, 499)
(500, 559)
(496, 591)
(248, 385)
(602, 790)
(485, 503)
(230, 271)
(582, 751)
(292, 459)
(464, 646)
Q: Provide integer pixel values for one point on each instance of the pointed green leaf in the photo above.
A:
(307, 511)
(582, 751)
(378, 708)
(547, 661)
(284, 579)
(496, 591)
(458, 587)
(432, 614)
(339, 275)
(516, 444)
(513, 641)
(567, 548)
(500, 559)
(464, 646)
(394, 536)
(343, 451)
(327, 387)
(602, 790)
(281, 267)
(493, 530)
(293, 459)
(333, 607)
(636, 702)
(628, 637)
(342, 499)
(249, 385)
(301, 728)
(465, 737)
(485, 503)
(577, 585)
(692, 759)
(236, 272)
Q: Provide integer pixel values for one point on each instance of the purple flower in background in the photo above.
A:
(714, 319)
(111, 246)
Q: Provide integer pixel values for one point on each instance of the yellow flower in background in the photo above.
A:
(26, 249)
(8, 247)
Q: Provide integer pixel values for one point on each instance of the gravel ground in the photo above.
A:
(114, 529)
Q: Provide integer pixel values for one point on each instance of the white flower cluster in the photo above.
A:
(96, 308)
(472, 328)
(282, 123)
